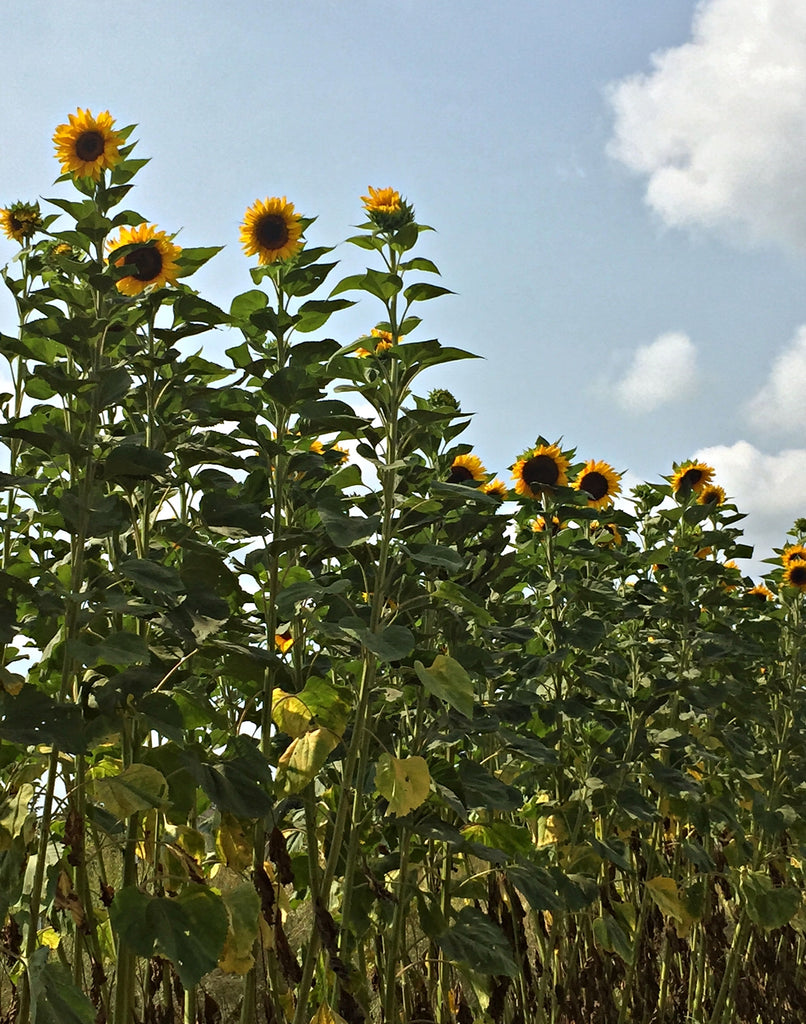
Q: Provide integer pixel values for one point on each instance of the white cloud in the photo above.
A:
(779, 405)
(718, 124)
(769, 488)
(661, 372)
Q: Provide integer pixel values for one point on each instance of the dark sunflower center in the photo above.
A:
(147, 262)
(89, 146)
(692, 477)
(16, 223)
(541, 470)
(797, 574)
(459, 475)
(595, 484)
(272, 231)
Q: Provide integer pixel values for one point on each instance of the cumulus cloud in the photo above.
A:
(769, 488)
(662, 372)
(717, 125)
(779, 405)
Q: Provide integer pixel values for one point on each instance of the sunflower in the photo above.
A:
(539, 525)
(761, 592)
(466, 468)
(539, 470)
(271, 230)
(153, 263)
(497, 489)
(20, 221)
(691, 476)
(386, 209)
(712, 494)
(606, 535)
(87, 145)
(793, 553)
(382, 200)
(795, 575)
(284, 641)
(600, 482)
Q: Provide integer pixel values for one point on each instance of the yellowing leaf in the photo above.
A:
(327, 1015)
(234, 846)
(405, 782)
(137, 788)
(303, 758)
(663, 891)
(243, 909)
(291, 715)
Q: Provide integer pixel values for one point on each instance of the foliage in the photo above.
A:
(299, 722)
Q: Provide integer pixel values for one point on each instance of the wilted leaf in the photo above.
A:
(243, 909)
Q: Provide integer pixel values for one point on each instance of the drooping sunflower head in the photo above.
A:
(386, 209)
(691, 476)
(600, 482)
(793, 553)
(539, 525)
(466, 469)
(284, 641)
(271, 230)
(496, 489)
(711, 494)
(87, 145)
(761, 593)
(606, 535)
(20, 221)
(540, 470)
(152, 264)
(795, 575)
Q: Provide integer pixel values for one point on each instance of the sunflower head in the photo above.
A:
(795, 575)
(761, 593)
(271, 230)
(793, 553)
(442, 397)
(386, 209)
(691, 476)
(606, 535)
(711, 494)
(539, 525)
(496, 489)
(20, 221)
(151, 264)
(600, 482)
(466, 469)
(284, 641)
(540, 470)
(87, 145)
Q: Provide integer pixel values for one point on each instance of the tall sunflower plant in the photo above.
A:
(306, 715)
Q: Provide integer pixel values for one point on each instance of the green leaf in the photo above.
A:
(136, 461)
(767, 906)
(150, 576)
(344, 530)
(611, 937)
(243, 909)
(404, 782)
(477, 941)
(446, 679)
(438, 555)
(536, 885)
(482, 789)
(55, 999)
(424, 290)
(390, 644)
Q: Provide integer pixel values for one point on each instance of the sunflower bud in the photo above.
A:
(21, 221)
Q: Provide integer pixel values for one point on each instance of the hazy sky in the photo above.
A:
(618, 188)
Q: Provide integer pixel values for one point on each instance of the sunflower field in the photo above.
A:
(305, 717)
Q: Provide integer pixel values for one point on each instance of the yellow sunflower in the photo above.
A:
(87, 145)
(539, 525)
(761, 592)
(795, 575)
(606, 535)
(711, 494)
(539, 470)
(20, 221)
(496, 488)
(271, 230)
(153, 263)
(465, 468)
(382, 200)
(793, 553)
(600, 482)
(692, 476)
(284, 641)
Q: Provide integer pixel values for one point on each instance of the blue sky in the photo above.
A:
(619, 193)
